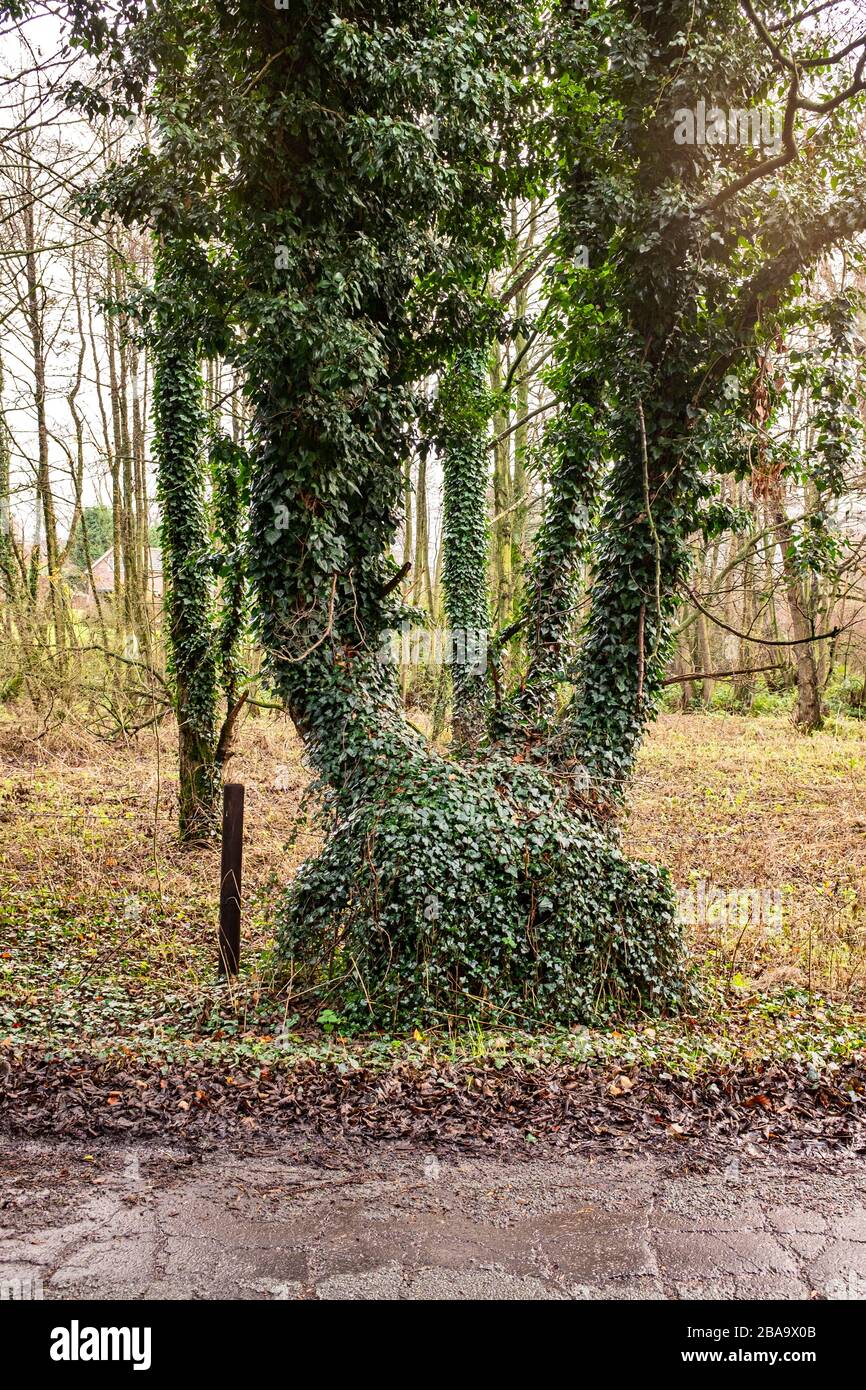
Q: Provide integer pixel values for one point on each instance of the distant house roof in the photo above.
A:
(103, 568)
(154, 553)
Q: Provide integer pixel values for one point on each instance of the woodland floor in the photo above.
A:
(107, 951)
(107, 927)
(121, 1053)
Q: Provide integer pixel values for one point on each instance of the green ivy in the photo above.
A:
(179, 426)
(465, 407)
(481, 893)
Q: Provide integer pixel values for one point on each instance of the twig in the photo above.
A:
(539, 410)
(500, 638)
(397, 579)
(328, 630)
(720, 675)
(654, 532)
(766, 641)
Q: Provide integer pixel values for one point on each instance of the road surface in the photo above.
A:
(389, 1222)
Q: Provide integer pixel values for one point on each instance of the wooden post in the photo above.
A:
(230, 878)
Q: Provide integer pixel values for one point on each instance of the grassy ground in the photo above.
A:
(746, 803)
(107, 927)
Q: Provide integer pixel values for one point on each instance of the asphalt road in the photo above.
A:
(390, 1223)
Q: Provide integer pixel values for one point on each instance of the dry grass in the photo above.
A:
(749, 803)
(98, 821)
(107, 926)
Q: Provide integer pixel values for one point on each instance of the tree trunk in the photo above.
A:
(809, 714)
(422, 590)
(44, 490)
(179, 441)
(503, 520)
(463, 443)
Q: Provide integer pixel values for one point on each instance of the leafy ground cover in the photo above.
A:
(761, 1111)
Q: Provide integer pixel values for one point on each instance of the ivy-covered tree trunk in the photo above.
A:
(229, 469)
(562, 545)
(502, 567)
(642, 557)
(179, 447)
(445, 888)
(465, 412)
